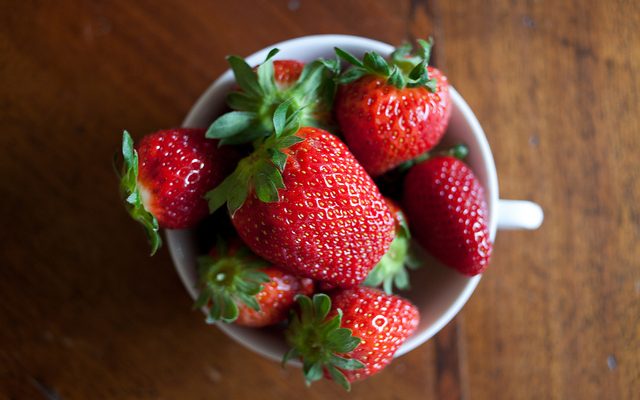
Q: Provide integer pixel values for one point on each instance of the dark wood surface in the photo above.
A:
(86, 314)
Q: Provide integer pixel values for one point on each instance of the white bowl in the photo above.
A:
(437, 291)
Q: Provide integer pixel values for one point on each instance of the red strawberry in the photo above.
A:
(287, 72)
(392, 111)
(351, 335)
(390, 270)
(308, 89)
(303, 202)
(447, 208)
(238, 287)
(165, 179)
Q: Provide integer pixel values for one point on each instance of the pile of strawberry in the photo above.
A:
(301, 160)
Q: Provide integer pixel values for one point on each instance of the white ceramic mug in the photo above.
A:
(437, 291)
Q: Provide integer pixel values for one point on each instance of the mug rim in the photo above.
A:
(174, 237)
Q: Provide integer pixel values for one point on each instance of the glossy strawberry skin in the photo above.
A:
(331, 223)
(446, 206)
(176, 168)
(383, 322)
(276, 298)
(385, 126)
(287, 72)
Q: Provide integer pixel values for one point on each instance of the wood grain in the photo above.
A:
(85, 313)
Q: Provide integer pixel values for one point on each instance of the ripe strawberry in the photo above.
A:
(309, 89)
(287, 72)
(165, 179)
(239, 287)
(303, 202)
(446, 205)
(392, 111)
(351, 335)
(390, 270)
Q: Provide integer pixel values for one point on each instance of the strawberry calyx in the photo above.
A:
(320, 342)
(261, 171)
(405, 68)
(390, 270)
(230, 278)
(133, 196)
(259, 96)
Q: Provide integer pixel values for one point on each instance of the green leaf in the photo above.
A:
(306, 309)
(374, 62)
(425, 48)
(339, 378)
(237, 196)
(331, 324)
(266, 190)
(288, 141)
(349, 364)
(279, 159)
(254, 275)
(242, 101)
(230, 124)
(290, 354)
(215, 312)
(418, 71)
(348, 57)
(342, 341)
(280, 117)
(230, 311)
(401, 279)
(249, 135)
(321, 306)
(220, 194)
(128, 152)
(432, 85)
(246, 78)
(265, 75)
(312, 372)
(250, 301)
(352, 74)
(332, 65)
(270, 172)
(396, 78)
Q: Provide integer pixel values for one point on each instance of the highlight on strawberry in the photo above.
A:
(391, 111)
(239, 287)
(349, 335)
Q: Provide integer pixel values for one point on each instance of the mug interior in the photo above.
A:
(437, 291)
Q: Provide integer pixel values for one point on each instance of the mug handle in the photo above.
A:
(519, 214)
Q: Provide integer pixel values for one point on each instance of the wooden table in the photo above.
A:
(86, 314)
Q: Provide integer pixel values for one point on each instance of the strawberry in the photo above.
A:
(239, 287)
(390, 270)
(308, 88)
(446, 205)
(392, 111)
(164, 180)
(303, 202)
(349, 336)
(287, 72)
